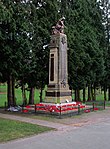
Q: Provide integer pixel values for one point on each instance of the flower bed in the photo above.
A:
(55, 108)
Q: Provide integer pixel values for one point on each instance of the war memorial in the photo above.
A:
(58, 97)
(58, 88)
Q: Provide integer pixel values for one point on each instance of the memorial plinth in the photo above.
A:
(58, 88)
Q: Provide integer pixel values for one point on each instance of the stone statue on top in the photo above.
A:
(59, 27)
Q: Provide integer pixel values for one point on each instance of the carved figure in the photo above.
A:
(59, 27)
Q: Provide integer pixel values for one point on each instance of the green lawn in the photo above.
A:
(18, 94)
(99, 95)
(10, 129)
(3, 95)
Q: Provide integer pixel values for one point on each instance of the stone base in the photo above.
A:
(58, 96)
(58, 100)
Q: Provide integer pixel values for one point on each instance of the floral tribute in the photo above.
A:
(55, 108)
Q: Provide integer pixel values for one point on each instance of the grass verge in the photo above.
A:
(10, 129)
(18, 95)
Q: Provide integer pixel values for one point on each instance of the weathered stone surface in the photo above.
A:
(58, 89)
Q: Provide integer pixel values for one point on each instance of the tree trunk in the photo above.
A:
(77, 95)
(89, 93)
(11, 91)
(84, 95)
(105, 96)
(76, 98)
(24, 95)
(42, 87)
(94, 92)
(31, 96)
(109, 93)
(41, 95)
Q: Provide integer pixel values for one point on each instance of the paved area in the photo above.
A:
(93, 133)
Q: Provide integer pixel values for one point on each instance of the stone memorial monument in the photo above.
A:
(58, 88)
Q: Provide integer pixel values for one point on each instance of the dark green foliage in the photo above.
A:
(15, 47)
(14, 38)
(25, 29)
(42, 20)
(84, 37)
(86, 40)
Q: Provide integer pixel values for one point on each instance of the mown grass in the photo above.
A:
(3, 95)
(19, 100)
(18, 95)
(99, 95)
(10, 129)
